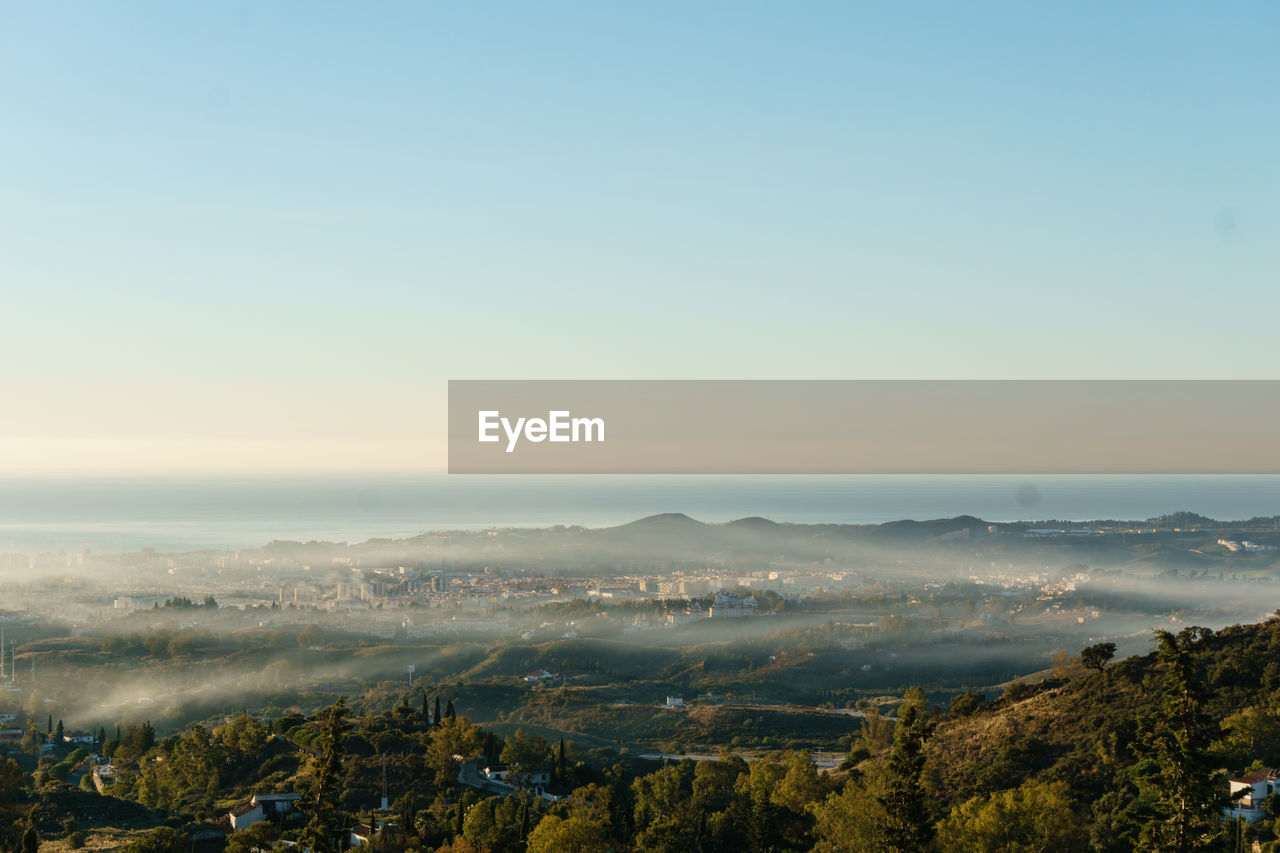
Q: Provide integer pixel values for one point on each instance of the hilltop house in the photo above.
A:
(272, 807)
(1249, 792)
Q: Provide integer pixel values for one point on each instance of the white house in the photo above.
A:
(362, 832)
(246, 815)
(1252, 790)
(263, 807)
(540, 675)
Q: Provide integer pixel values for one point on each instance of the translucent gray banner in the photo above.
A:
(863, 427)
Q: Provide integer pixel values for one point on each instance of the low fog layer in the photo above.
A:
(748, 612)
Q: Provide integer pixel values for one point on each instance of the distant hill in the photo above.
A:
(662, 523)
(929, 529)
(674, 541)
(754, 522)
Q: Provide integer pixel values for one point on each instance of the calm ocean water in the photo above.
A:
(182, 514)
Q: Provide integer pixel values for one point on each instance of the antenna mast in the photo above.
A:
(385, 802)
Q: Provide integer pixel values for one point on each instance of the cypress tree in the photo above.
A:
(325, 824)
(436, 719)
(449, 712)
(31, 838)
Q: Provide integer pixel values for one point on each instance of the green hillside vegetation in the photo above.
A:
(1102, 756)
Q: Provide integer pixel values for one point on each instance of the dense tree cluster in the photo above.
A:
(1111, 756)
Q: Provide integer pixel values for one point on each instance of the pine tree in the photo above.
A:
(1188, 790)
(325, 824)
(908, 825)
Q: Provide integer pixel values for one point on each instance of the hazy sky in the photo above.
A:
(244, 235)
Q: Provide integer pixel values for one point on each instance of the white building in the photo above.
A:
(263, 807)
(362, 832)
(1252, 790)
(729, 606)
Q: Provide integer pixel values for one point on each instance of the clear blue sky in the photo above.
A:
(230, 226)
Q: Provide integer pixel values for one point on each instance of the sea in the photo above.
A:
(170, 514)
